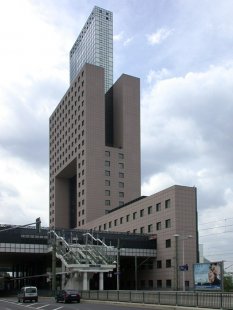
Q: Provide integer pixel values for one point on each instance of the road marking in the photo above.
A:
(31, 305)
(42, 306)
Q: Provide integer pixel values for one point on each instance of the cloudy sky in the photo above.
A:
(182, 52)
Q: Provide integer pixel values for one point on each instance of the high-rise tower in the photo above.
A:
(94, 137)
(94, 45)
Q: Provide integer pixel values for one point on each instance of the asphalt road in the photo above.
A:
(50, 304)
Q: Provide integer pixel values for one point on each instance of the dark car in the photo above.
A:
(67, 296)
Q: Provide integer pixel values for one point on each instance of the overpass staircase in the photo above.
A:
(93, 256)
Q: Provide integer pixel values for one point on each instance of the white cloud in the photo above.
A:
(159, 36)
(32, 45)
(154, 76)
(216, 230)
(128, 41)
(121, 37)
(24, 191)
(187, 139)
(118, 37)
(34, 70)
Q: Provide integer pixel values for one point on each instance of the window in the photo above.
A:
(167, 203)
(158, 207)
(150, 228)
(105, 226)
(121, 165)
(107, 182)
(135, 231)
(121, 194)
(107, 193)
(120, 156)
(158, 226)
(168, 283)
(168, 243)
(107, 203)
(142, 230)
(115, 222)
(121, 184)
(107, 154)
(141, 213)
(134, 215)
(149, 210)
(168, 223)
(168, 263)
(121, 175)
(127, 218)
(159, 264)
(109, 224)
(121, 220)
(107, 163)
(107, 173)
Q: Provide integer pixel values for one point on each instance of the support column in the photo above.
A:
(101, 281)
(85, 282)
(63, 277)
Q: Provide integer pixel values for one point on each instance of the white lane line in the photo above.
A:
(58, 308)
(42, 306)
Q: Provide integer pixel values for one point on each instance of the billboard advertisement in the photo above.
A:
(208, 276)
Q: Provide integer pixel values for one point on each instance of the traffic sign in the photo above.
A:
(184, 267)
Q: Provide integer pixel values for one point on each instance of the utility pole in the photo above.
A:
(118, 264)
(176, 264)
(54, 282)
(136, 272)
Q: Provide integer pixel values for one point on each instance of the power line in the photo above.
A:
(205, 223)
(213, 234)
(224, 226)
(225, 253)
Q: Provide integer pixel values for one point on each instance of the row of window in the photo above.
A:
(108, 193)
(108, 183)
(142, 230)
(149, 284)
(168, 263)
(107, 164)
(167, 224)
(108, 154)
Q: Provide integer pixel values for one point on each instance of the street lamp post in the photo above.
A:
(184, 268)
(118, 264)
(176, 264)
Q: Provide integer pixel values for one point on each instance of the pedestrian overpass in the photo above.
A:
(79, 259)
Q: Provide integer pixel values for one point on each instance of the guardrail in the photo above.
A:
(185, 299)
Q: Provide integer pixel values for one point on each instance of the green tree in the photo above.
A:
(228, 283)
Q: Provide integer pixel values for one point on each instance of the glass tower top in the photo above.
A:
(94, 45)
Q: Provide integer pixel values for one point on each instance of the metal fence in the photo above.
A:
(186, 299)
